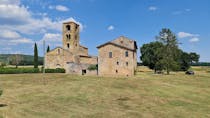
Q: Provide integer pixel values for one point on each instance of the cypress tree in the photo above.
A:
(35, 56)
(48, 48)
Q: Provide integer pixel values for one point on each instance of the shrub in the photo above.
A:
(93, 67)
(18, 70)
(2, 65)
(57, 70)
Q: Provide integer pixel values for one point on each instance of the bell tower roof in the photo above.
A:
(70, 22)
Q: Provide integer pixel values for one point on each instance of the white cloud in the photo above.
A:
(179, 12)
(61, 8)
(152, 8)
(111, 27)
(21, 40)
(50, 37)
(17, 2)
(195, 39)
(13, 14)
(18, 18)
(17, 23)
(8, 34)
(186, 35)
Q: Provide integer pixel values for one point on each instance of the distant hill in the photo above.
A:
(27, 59)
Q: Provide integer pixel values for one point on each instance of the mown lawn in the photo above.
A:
(146, 95)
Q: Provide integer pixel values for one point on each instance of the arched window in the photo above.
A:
(69, 36)
(68, 45)
(68, 27)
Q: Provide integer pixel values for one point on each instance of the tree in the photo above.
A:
(194, 58)
(48, 48)
(184, 61)
(16, 59)
(170, 50)
(2, 64)
(150, 55)
(35, 56)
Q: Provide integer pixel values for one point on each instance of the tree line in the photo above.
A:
(164, 54)
(22, 60)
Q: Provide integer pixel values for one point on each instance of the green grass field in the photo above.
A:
(144, 96)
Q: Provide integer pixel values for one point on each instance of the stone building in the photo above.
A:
(117, 57)
(72, 56)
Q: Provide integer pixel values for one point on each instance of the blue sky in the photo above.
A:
(23, 22)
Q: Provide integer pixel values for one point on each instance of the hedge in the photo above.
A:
(57, 70)
(18, 70)
(93, 67)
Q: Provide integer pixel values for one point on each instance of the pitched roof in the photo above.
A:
(122, 42)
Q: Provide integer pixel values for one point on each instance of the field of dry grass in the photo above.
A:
(146, 95)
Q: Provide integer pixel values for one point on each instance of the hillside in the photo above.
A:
(27, 59)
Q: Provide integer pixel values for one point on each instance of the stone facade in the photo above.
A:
(73, 57)
(117, 57)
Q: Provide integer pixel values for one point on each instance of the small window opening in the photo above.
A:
(110, 54)
(117, 63)
(68, 45)
(68, 27)
(76, 27)
(68, 36)
(126, 54)
(126, 63)
(58, 51)
(116, 71)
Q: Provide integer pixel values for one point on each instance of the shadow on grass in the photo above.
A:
(3, 105)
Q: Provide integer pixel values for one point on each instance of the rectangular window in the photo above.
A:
(126, 54)
(126, 63)
(110, 54)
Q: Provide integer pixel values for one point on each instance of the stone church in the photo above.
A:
(115, 58)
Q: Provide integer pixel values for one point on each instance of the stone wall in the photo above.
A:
(88, 60)
(82, 51)
(81, 69)
(58, 57)
(119, 64)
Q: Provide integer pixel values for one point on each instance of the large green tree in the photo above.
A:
(150, 55)
(36, 63)
(170, 51)
(194, 58)
(184, 61)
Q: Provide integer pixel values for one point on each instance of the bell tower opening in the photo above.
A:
(71, 36)
(68, 27)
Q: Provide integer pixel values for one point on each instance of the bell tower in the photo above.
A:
(71, 36)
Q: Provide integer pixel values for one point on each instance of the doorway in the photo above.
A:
(84, 72)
